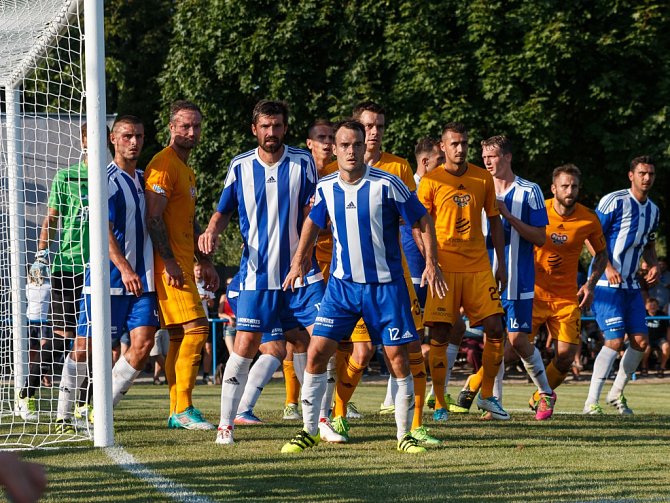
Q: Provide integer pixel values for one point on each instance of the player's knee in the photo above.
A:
(439, 332)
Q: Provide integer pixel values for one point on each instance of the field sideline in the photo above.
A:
(569, 458)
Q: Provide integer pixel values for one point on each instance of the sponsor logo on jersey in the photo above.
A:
(461, 200)
(558, 239)
(192, 192)
(461, 187)
(158, 189)
(560, 226)
(407, 335)
(351, 206)
(271, 180)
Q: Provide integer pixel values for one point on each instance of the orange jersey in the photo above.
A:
(168, 176)
(557, 261)
(455, 204)
(324, 242)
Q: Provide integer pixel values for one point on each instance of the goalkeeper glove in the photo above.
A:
(40, 268)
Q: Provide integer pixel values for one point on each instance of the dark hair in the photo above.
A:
(270, 108)
(315, 124)
(455, 127)
(180, 105)
(127, 119)
(568, 169)
(425, 145)
(352, 124)
(642, 159)
(500, 142)
(367, 106)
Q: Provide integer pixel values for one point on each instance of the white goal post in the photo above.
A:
(52, 80)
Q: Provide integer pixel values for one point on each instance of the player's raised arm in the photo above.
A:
(432, 274)
(302, 260)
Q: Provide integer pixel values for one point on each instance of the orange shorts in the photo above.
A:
(563, 319)
(360, 333)
(475, 292)
(178, 305)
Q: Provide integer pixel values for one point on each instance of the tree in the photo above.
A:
(571, 81)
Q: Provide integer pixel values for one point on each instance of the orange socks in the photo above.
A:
(491, 360)
(187, 365)
(437, 358)
(292, 383)
(554, 377)
(418, 369)
(347, 379)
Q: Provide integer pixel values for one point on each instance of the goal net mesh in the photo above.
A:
(43, 203)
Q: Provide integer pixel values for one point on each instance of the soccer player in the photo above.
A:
(524, 218)
(350, 367)
(67, 209)
(38, 290)
(455, 195)
(629, 220)
(133, 300)
(171, 194)
(320, 144)
(557, 303)
(365, 206)
(271, 187)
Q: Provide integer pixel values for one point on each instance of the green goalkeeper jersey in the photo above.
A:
(69, 197)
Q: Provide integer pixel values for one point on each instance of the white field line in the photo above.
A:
(162, 484)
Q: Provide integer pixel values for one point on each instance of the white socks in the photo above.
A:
(391, 390)
(629, 363)
(299, 365)
(313, 390)
(404, 404)
(71, 381)
(327, 401)
(232, 387)
(123, 376)
(601, 369)
(536, 371)
(259, 375)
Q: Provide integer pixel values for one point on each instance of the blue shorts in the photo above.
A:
(274, 311)
(267, 336)
(619, 311)
(128, 313)
(384, 307)
(518, 315)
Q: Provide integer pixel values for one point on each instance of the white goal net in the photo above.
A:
(44, 214)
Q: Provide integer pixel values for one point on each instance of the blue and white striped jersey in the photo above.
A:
(365, 221)
(270, 201)
(628, 225)
(127, 215)
(525, 201)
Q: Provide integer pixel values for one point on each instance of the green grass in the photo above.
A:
(569, 458)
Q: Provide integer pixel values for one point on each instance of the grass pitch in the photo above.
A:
(568, 458)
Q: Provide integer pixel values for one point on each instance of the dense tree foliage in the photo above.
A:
(137, 34)
(570, 81)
